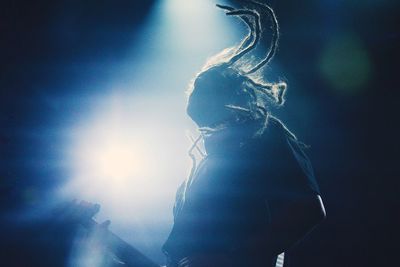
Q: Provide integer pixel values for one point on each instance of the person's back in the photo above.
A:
(223, 215)
(254, 195)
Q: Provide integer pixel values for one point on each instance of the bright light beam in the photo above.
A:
(130, 153)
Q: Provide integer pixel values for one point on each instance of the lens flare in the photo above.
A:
(345, 63)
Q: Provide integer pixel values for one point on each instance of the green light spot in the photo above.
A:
(345, 64)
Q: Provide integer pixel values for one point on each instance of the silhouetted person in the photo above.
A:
(254, 193)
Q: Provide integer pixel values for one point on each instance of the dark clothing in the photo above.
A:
(224, 210)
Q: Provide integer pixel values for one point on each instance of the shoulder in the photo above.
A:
(288, 160)
(275, 137)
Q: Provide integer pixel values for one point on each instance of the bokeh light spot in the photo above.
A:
(345, 64)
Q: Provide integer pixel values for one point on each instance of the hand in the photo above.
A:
(77, 212)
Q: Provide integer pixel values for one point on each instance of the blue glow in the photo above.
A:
(129, 152)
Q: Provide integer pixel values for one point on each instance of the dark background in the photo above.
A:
(353, 134)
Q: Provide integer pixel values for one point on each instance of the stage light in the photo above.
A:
(130, 156)
(129, 148)
(117, 160)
